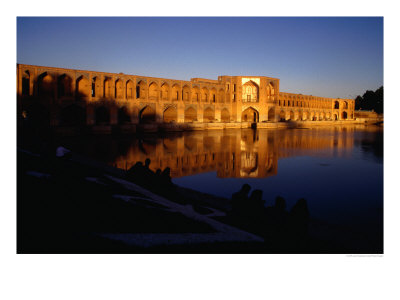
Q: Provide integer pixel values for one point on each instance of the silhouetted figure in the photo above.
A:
(147, 163)
(299, 218)
(280, 204)
(276, 218)
(255, 205)
(240, 199)
(166, 176)
(135, 173)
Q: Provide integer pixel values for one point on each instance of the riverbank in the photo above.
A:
(193, 126)
(78, 205)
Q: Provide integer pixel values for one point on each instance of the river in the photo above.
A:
(338, 170)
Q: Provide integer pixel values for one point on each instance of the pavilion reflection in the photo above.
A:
(236, 153)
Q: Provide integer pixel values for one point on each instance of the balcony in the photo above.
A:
(249, 100)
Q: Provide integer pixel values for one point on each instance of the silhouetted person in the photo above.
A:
(276, 218)
(135, 173)
(255, 204)
(280, 204)
(166, 176)
(239, 199)
(299, 218)
(147, 163)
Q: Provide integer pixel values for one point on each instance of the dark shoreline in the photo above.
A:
(51, 214)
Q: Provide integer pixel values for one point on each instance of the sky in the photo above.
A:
(329, 57)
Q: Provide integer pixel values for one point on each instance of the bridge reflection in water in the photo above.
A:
(234, 153)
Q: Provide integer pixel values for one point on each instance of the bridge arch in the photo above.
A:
(147, 115)
(186, 93)
(153, 91)
(165, 91)
(45, 85)
(118, 89)
(102, 115)
(141, 89)
(107, 87)
(250, 114)
(64, 86)
(83, 87)
(213, 95)
(221, 96)
(190, 114)
(282, 115)
(225, 115)
(123, 116)
(209, 115)
(195, 94)
(176, 92)
(328, 116)
(26, 83)
(204, 94)
(336, 105)
(170, 114)
(73, 115)
(129, 89)
(271, 114)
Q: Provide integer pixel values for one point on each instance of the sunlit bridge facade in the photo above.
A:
(67, 97)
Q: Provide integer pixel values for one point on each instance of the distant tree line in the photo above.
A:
(371, 101)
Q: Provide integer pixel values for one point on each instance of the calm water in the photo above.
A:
(339, 170)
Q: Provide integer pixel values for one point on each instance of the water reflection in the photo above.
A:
(239, 153)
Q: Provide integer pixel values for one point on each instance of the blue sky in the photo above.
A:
(331, 57)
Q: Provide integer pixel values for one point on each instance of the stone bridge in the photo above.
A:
(78, 98)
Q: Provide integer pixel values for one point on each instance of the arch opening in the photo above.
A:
(26, 83)
(209, 115)
(271, 114)
(73, 115)
(225, 116)
(190, 115)
(129, 89)
(250, 115)
(147, 115)
(102, 115)
(123, 116)
(170, 115)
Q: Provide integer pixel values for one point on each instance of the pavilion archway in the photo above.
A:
(250, 115)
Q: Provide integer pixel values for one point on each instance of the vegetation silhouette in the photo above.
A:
(371, 100)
